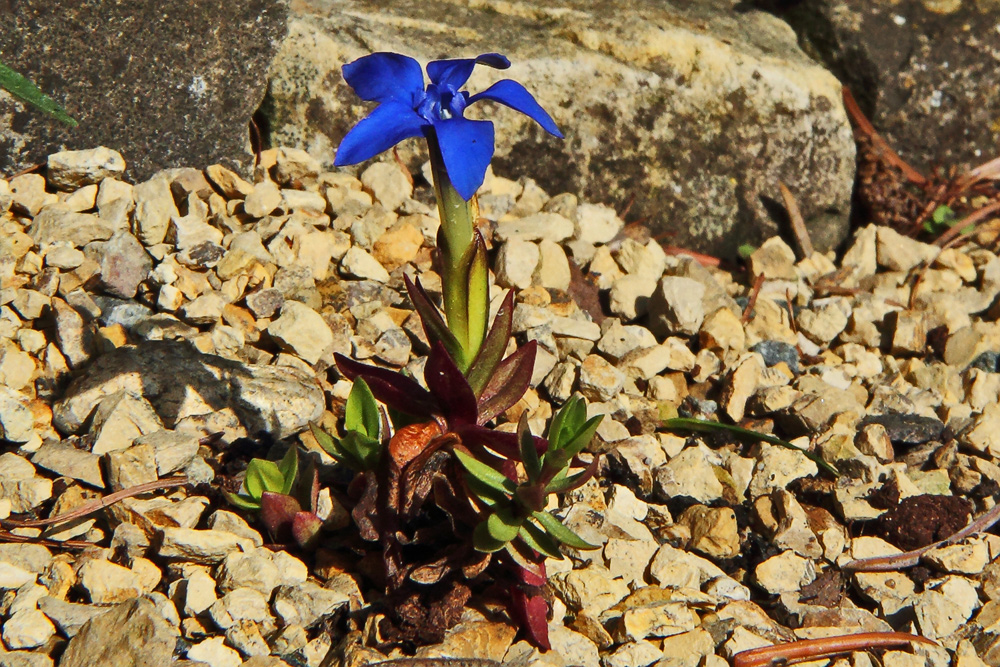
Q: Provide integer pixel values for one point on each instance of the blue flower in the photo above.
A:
(406, 109)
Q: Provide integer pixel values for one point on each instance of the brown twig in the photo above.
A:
(44, 541)
(866, 128)
(97, 504)
(911, 558)
(811, 649)
(791, 313)
(798, 223)
(402, 165)
(752, 301)
(704, 260)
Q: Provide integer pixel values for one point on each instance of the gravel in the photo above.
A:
(137, 342)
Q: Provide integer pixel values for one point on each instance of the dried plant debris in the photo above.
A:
(188, 326)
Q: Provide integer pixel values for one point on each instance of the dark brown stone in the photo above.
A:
(927, 79)
(167, 84)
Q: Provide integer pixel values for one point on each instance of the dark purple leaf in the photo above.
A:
(477, 437)
(532, 611)
(277, 511)
(494, 345)
(306, 527)
(394, 389)
(449, 386)
(508, 383)
(365, 511)
(430, 317)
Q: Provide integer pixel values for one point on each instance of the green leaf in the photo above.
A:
(746, 250)
(262, 475)
(325, 440)
(943, 215)
(22, 88)
(705, 426)
(557, 530)
(242, 501)
(583, 436)
(361, 413)
(360, 451)
(485, 474)
(529, 455)
(483, 541)
(503, 524)
(289, 468)
(478, 295)
(563, 480)
(539, 540)
(561, 457)
(563, 421)
(488, 495)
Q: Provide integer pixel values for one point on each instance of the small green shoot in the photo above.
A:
(266, 476)
(361, 445)
(25, 90)
(705, 426)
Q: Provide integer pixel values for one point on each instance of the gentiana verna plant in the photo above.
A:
(456, 506)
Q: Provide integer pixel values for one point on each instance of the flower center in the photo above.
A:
(441, 103)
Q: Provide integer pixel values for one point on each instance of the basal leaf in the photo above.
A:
(24, 89)
(483, 541)
(325, 440)
(306, 528)
(485, 474)
(503, 524)
(394, 389)
(494, 345)
(361, 412)
(277, 511)
(508, 383)
(449, 386)
(539, 540)
(243, 501)
(532, 611)
(556, 529)
(430, 317)
(289, 468)
(262, 475)
(529, 455)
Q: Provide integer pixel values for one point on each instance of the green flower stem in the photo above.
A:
(456, 239)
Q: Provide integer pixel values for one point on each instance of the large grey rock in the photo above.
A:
(132, 634)
(179, 381)
(694, 107)
(924, 71)
(195, 71)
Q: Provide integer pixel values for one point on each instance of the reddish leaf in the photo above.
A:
(430, 317)
(394, 389)
(306, 528)
(508, 383)
(532, 612)
(277, 511)
(494, 345)
(530, 578)
(449, 386)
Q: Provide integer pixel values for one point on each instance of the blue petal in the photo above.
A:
(467, 148)
(514, 95)
(456, 72)
(383, 128)
(386, 77)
